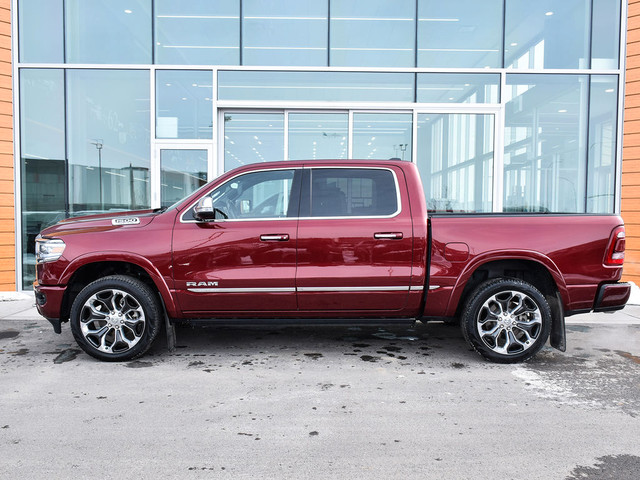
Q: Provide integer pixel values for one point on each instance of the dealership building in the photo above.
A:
(505, 106)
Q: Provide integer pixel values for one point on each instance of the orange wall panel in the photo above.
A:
(7, 223)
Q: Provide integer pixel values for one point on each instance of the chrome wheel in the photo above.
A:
(509, 322)
(112, 321)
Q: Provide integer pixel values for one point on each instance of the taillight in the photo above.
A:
(615, 250)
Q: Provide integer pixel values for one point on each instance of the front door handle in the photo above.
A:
(274, 237)
(388, 235)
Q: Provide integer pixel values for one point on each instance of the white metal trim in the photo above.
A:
(17, 171)
(219, 164)
(260, 68)
(196, 142)
(414, 137)
(212, 169)
(281, 105)
(350, 135)
(622, 66)
(285, 134)
(154, 174)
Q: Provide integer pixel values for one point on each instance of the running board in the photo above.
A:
(300, 322)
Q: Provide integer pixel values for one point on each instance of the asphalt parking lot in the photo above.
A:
(321, 402)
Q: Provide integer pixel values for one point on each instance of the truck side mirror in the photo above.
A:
(204, 211)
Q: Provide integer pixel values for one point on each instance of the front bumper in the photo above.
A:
(49, 303)
(612, 297)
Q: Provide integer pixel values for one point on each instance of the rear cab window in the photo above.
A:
(349, 192)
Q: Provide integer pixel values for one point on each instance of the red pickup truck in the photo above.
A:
(326, 242)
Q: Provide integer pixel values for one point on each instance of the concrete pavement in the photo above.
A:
(320, 403)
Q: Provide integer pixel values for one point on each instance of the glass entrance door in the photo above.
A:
(182, 170)
(317, 135)
(260, 136)
(454, 148)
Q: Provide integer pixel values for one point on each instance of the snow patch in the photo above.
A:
(14, 296)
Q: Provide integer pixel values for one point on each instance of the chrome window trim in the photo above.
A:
(306, 167)
(360, 217)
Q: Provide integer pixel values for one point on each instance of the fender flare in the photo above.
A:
(488, 257)
(124, 257)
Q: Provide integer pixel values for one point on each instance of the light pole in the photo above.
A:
(99, 144)
(402, 147)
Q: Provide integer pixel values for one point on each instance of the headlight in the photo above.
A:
(48, 250)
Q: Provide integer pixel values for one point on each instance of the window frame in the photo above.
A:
(305, 195)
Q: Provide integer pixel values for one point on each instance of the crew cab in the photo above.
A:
(326, 242)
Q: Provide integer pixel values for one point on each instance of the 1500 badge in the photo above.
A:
(125, 221)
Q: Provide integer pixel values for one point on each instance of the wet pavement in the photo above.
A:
(320, 402)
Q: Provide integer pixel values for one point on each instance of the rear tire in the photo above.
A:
(116, 318)
(506, 320)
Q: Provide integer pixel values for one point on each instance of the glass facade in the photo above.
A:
(197, 32)
(382, 135)
(461, 33)
(183, 104)
(277, 32)
(547, 34)
(372, 33)
(107, 31)
(458, 161)
(107, 140)
(504, 105)
(318, 135)
(182, 172)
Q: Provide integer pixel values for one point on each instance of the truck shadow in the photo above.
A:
(375, 344)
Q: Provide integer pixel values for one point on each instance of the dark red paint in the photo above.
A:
(335, 267)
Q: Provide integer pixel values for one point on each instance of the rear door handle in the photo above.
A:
(274, 237)
(388, 235)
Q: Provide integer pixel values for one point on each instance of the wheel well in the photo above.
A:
(527, 270)
(93, 271)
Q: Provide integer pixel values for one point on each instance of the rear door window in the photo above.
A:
(350, 192)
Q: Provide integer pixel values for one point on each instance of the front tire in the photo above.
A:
(506, 320)
(115, 318)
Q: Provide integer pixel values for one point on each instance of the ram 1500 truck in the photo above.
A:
(325, 242)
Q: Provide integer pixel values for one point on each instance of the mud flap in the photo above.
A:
(558, 337)
(171, 334)
(56, 323)
(170, 328)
